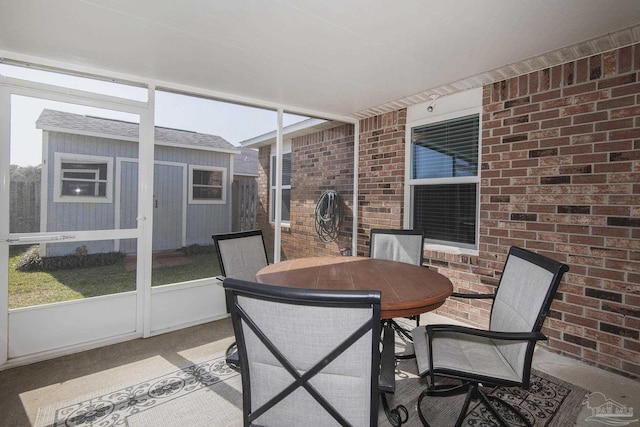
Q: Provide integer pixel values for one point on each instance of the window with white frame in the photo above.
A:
(444, 180)
(286, 188)
(207, 184)
(83, 179)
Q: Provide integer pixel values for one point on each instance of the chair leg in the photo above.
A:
(465, 407)
(473, 391)
(396, 416)
(487, 401)
(436, 389)
(231, 357)
(401, 332)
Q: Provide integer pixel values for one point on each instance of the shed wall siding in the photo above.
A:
(70, 216)
(202, 220)
(128, 203)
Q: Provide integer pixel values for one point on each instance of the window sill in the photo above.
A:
(451, 249)
(282, 224)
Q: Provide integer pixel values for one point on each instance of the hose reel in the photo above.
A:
(327, 216)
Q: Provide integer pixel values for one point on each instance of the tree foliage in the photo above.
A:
(24, 173)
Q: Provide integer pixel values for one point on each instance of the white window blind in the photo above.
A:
(444, 180)
(446, 149)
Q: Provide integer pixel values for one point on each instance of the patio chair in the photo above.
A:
(501, 355)
(240, 255)
(398, 245)
(307, 357)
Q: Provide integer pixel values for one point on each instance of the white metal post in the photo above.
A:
(278, 201)
(145, 214)
(356, 164)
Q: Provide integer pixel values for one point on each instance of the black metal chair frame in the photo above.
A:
(235, 235)
(231, 354)
(398, 415)
(471, 381)
(234, 288)
(392, 323)
(395, 232)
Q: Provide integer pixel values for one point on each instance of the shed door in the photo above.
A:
(168, 204)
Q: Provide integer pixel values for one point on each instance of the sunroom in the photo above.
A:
(346, 97)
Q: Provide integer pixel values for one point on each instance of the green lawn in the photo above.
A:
(34, 288)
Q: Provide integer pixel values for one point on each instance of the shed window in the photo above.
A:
(207, 185)
(84, 179)
(81, 178)
(444, 181)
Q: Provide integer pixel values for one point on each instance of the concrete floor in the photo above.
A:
(25, 389)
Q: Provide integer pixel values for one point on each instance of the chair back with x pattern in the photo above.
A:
(308, 357)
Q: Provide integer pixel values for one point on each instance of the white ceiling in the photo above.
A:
(339, 57)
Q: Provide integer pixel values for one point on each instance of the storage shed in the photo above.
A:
(90, 182)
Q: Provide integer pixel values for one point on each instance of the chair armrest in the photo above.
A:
(387, 380)
(498, 335)
(473, 296)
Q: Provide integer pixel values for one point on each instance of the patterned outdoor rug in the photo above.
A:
(548, 402)
(210, 394)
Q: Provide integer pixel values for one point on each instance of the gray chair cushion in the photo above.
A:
(462, 353)
(342, 383)
(305, 327)
(523, 289)
(397, 247)
(502, 355)
(243, 257)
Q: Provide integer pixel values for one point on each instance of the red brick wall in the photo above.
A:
(561, 176)
(319, 161)
(262, 217)
(380, 174)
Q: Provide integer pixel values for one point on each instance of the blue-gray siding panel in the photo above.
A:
(202, 219)
(69, 248)
(70, 216)
(167, 207)
(205, 220)
(128, 203)
(193, 157)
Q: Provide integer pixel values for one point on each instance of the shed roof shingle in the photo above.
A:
(118, 129)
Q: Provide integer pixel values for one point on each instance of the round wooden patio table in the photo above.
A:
(406, 289)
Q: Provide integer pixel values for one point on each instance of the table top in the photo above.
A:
(406, 289)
